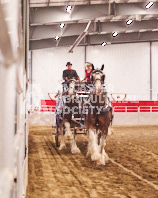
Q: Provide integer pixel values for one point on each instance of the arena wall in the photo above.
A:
(120, 119)
(154, 51)
(48, 66)
(127, 69)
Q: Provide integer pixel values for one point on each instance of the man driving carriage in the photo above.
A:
(69, 73)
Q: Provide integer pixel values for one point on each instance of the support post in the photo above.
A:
(85, 55)
(150, 70)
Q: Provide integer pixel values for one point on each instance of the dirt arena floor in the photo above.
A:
(131, 172)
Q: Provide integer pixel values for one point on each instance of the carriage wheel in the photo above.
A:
(56, 137)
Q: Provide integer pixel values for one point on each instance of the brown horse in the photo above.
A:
(66, 107)
(98, 118)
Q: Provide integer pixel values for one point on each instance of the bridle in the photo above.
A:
(97, 71)
(72, 81)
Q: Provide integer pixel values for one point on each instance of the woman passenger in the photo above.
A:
(88, 71)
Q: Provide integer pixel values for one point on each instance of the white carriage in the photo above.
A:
(78, 118)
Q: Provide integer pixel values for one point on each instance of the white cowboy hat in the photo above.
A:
(87, 63)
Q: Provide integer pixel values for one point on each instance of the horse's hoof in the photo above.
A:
(62, 147)
(75, 150)
(106, 158)
(95, 156)
(100, 162)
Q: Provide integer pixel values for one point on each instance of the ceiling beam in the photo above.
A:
(97, 39)
(80, 37)
(50, 31)
(71, 2)
(57, 14)
(43, 3)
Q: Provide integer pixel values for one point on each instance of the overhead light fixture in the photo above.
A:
(129, 22)
(62, 25)
(114, 34)
(104, 43)
(68, 9)
(57, 38)
(149, 4)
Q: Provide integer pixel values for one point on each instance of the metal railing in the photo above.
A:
(135, 109)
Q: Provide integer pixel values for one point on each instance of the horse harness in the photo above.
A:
(97, 71)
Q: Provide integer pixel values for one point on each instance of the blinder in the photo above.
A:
(103, 79)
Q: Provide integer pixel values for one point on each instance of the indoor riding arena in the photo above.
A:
(79, 99)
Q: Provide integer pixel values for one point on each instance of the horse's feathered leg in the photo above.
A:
(74, 147)
(104, 156)
(68, 133)
(93, 146)
(110, 131)
(62, 141)
(88, 148)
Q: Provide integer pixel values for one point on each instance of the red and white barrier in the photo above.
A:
(135, 106)
(48, 105)
(135, 112)
(125, 112)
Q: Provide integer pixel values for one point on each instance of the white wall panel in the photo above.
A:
(127, 68)
(120, 119)
(137, 118)
(48, 66)
(155, 70)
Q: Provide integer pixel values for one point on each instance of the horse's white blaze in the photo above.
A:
(71, 88)
(97, 76)
(68, 133)
(98, 86)
(74, 148)
(93, 146)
